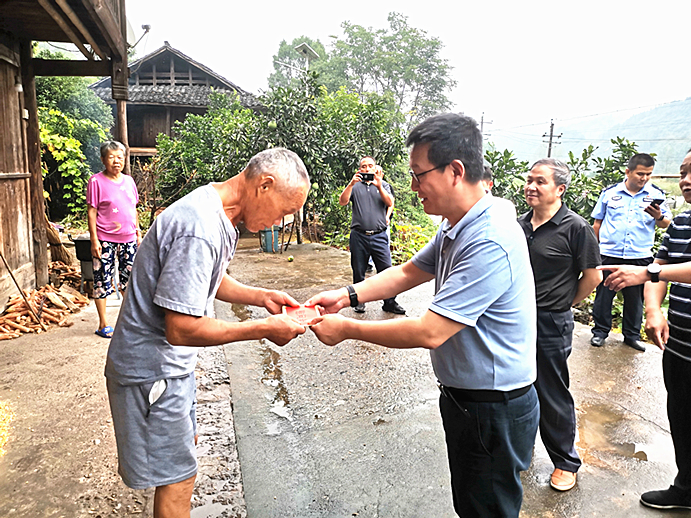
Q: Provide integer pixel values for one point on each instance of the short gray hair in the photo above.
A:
(112, 145)
(560, 171)
(287, 166)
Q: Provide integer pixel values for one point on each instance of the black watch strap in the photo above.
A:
(353, 296)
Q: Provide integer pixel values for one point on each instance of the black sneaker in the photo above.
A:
(393, 307)
(671, 498)
(360, 308)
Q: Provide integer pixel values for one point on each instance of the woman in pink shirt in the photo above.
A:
(112, 200)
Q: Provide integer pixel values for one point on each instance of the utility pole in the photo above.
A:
(482, 126)
(551, 137)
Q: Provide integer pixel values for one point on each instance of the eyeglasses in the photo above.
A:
(417, 176)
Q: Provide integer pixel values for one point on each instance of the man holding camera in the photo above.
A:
(371, 197)
(625, 218)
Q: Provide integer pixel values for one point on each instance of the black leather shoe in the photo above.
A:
(393, 307)
(671, 498)
(597, 341)
(636, 344)
(360, 308)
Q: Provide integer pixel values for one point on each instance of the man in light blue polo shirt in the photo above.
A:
(480, 326)
(625, 218)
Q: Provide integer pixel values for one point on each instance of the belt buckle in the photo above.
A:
(369, 232)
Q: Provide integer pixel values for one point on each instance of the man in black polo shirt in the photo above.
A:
(564, 254)
(371, 197)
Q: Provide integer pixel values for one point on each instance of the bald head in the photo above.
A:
(284, 165)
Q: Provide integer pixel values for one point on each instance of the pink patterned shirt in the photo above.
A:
(116, 207)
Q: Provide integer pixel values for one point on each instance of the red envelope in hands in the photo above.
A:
(303, 315)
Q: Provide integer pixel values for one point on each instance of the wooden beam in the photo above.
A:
(121, 107)
(57, 17)
(79, 25)
(33, 140)
(109, 26)
(68, 67)
(172, 70)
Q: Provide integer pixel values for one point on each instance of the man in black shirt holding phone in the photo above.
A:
(371, 197)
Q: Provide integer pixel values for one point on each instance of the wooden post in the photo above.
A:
(33, 141)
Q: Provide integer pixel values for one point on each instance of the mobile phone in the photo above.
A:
(367, 177)
(656, 203)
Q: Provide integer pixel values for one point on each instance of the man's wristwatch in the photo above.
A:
(662, 216)
(654, 270)
(353, 296)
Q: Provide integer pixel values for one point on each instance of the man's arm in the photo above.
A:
(596, 228)
(389, 211)
(378, 182)
(624, 275)
(230, 290)
(428, 331)
(384, 285)
(656, 326)
(656, 212)
(344, 198)
(193, 331)
(589, 280)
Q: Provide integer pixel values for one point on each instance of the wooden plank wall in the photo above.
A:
(16, 241)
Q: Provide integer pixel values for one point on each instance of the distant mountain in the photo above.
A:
(664, 130)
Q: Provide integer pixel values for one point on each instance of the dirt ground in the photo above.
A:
(60, 458)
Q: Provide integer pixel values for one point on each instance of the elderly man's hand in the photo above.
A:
(330, 301)
(275, 300)
(623, 275)
(657, 328)
(282, 329)
(330, 329)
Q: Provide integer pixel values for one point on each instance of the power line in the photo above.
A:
(551, 137)
(593, 115)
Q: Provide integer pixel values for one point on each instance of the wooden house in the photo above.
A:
(97, 28)
(164, 87)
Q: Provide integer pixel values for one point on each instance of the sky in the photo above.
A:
(517, 62)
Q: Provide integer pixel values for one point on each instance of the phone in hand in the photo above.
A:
(367, 177)
(656, 203)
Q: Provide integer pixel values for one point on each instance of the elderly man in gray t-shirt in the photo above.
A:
(167, 312)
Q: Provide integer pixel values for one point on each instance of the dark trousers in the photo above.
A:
(362, 247)
(488, 445)
(633, 303)
(677, 375)
(557, 412)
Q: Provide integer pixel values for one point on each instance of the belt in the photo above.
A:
(370, 232)
(482, 396)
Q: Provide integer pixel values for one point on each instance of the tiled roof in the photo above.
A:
(176, 95)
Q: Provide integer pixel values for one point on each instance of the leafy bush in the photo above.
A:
(65, 170)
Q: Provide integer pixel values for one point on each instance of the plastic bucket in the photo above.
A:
(269, 239)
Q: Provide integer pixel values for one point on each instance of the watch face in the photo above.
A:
(654, 268)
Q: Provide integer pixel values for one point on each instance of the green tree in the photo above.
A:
(71, 96)
(290, 66)
(401, 61)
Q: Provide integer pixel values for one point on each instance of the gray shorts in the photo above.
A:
(155, 442)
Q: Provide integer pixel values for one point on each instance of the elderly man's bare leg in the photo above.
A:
(173, 501)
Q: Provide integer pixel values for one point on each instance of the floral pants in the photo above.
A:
(104, 268)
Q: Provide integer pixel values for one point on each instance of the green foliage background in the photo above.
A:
(73, 122)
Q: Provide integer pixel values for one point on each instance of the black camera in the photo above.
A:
(367, 177)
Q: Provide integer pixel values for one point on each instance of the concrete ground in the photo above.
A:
(351, 430)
